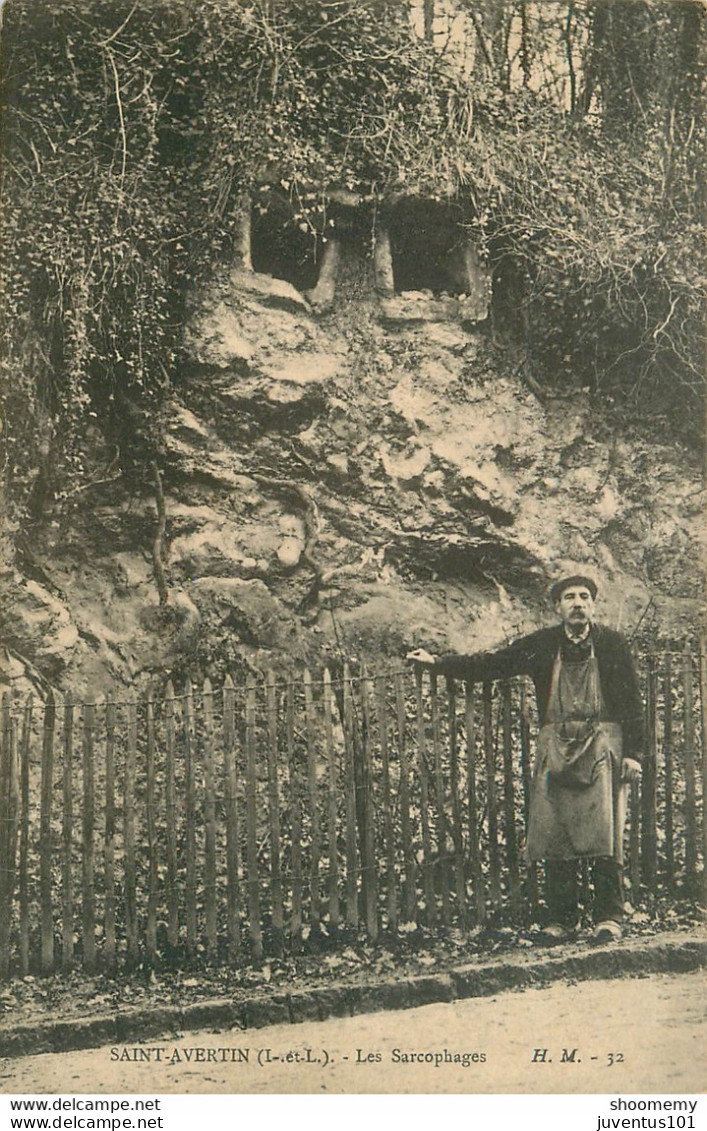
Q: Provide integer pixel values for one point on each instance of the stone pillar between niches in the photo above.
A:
(244, 209)
(474, 272)
(322, 295)
(383, 264)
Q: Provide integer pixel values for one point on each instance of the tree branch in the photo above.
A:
(123, 133)
(158, 545)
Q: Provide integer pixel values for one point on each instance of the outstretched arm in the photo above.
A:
(515, 659)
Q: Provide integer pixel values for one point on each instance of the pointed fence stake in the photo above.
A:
(9, 811)
(491, 802)
(368, 811)
(210, 894)
(443, 855)
(233, 850)
(509, 803)
(477, 874)
(46, 847)
(295, 783)
(88, 918)
(421, 763)
(67, 829)
(690, 794)
(190, 818)
(25, 836)
(332, 846)
(253, 880)
(388, 831)
(409, 885)
(152, 864)
(649, 840)
(109, 841)
(130, 863)
(668, 751)
(457, 835)
(314, 815)
(171, 817)
(703, 731)
(278, 913)
(351, 807)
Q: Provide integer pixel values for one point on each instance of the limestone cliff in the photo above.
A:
(355, 483)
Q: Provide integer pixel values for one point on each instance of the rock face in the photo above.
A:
(37, 624)
(360, 482)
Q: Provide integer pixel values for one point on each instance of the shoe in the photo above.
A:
(607, 931)
(554, 933)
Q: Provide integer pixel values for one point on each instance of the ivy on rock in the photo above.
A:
(133, 136)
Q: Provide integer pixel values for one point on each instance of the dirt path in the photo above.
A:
(642, 1035)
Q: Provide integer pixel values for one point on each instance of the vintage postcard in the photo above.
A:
(352, 637)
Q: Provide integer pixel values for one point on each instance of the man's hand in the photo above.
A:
(630, 770)
(420, 656)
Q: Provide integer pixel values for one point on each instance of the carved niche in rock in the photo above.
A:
(422, 250)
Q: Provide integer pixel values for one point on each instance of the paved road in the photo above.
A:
(645, 1035)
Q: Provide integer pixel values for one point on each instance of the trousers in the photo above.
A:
(562, 890)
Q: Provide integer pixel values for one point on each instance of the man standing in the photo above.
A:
(590, 744)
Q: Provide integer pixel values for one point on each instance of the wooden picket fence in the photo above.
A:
(224, 825)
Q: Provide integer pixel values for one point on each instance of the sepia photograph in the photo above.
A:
(353, 638)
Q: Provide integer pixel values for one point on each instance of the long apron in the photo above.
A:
(577, 804)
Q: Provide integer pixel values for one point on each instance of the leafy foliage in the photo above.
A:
(131, 132)
(586, 176)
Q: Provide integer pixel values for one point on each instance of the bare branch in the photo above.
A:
(123, 134)
(158, 546)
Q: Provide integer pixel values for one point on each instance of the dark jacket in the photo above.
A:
(534, 655)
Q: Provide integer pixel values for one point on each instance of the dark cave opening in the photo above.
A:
(430, 248)
(284, 243)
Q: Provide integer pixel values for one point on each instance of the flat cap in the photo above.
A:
(558, 587)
